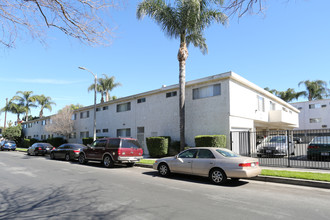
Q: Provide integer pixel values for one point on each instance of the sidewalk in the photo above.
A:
(291, 181)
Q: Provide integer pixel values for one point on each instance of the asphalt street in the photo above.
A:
(39, 188)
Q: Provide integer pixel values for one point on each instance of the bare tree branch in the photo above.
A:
(80, 19)
(240, 7)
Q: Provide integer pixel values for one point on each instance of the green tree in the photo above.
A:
(14, 108)
(26, 100)
(287, 95)
(44, 103)
(315, 89)
(185, 21)
(13, 133)
(109, 85)
(104, 86)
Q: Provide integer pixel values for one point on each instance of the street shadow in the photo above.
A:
(196, 179)
(56, 202)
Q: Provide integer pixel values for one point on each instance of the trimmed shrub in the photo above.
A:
(157, 146)
(210, 141)
(57, 141)
(26, 143)
(88, 140)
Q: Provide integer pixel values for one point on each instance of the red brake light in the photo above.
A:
(76, 151)
(39, 148)
(244, 164)
(53, 148)
(313, 147)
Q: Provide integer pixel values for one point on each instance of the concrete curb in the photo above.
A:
(272, 179)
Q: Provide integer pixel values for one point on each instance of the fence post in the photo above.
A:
(288, 144)
(249, 144)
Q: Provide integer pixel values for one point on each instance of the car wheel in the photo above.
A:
(130, 164)
(164, 170)
(67, 157)
(52, 156)
(107, 161)
(82, 159)
(218, 176)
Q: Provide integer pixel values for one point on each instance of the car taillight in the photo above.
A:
(53, 148)
(39, 148)
(244, 164)
(313, 147)
(76, 151)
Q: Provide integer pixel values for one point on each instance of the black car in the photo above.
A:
(67, 151)
(39, 149)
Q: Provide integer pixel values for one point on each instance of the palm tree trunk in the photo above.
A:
(182, 57)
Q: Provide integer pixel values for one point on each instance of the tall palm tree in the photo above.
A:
(27, 100)
(99, 87)
(14, 108)
(289, 94)
(44, 103)
(186, 21)
(104, 86)
(315, 89)
(109, 85)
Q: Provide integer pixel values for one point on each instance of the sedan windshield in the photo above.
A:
(227, 153)
(321, 140)
(275, 139)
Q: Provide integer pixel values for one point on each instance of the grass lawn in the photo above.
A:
(278, 173)
(297, 175)
(21, 149)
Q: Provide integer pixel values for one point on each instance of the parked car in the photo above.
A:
(319, 148)
(8, 145)
(298, 140)
(112, 151)
(67, 151)
(216, 163)
(39, 149)
(275, 145)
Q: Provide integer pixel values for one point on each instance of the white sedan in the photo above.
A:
(216, 163)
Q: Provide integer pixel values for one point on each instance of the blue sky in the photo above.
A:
(288, 44)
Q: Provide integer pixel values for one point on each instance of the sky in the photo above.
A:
(287, 44)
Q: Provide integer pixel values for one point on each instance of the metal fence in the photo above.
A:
(287, 148)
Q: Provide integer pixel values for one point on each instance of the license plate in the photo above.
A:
(325, 154)
(268, 151)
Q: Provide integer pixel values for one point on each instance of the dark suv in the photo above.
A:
(112, 150)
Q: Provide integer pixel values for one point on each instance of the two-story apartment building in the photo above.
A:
(314, 114)
(216, 104)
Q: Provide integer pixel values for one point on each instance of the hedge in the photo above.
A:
(87, 141)
(157, 146)
(57, 141)
(210, 141)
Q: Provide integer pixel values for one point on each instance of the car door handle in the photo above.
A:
(188, 162)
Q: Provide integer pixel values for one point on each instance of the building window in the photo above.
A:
(207, 91)
(171, 94)
(74, 117)
(315, 120)
(73, 135)
(105, 108)
(84, 114)
(324, 106)
(105, 130)
(141, 100)
(324, 126)
(299, 108)
(126, 132)
(272, 105)
(313, 106)
(84, 134)
(261, 103)
(98, 109)
(124, 107)
(98, 130)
